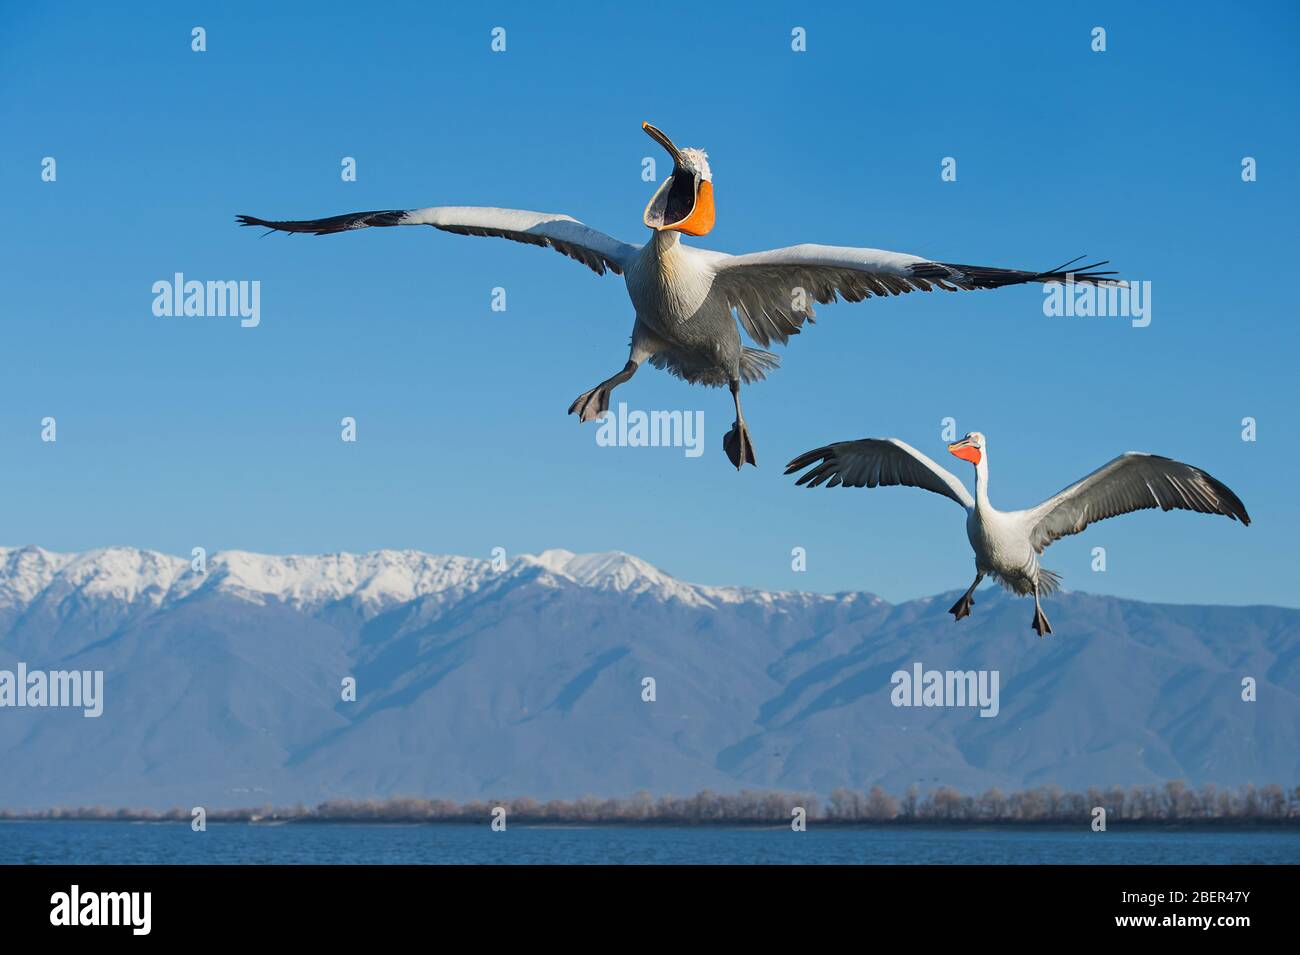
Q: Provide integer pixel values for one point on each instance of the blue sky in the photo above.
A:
(177, 432)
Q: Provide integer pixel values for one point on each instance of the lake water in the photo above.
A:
(244, 844)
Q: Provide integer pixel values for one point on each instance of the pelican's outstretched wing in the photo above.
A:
(877, 462)
(1132, 482)
(596, 250)
(773, 292)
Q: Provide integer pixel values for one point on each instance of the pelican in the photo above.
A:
(1007, 543)
(687, 300)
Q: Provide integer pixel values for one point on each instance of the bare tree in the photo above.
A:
(881, 806)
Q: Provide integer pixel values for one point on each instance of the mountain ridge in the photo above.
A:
(310, 581)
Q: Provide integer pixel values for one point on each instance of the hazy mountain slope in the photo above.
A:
(223, 688)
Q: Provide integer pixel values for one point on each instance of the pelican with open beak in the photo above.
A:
(685, 200)
(692, 304)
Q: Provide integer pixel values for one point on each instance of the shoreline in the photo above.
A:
(1209, 825)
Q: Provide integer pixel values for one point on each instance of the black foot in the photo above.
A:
(1040, 625)
(738, 447)
(590, 405)
(962, 607)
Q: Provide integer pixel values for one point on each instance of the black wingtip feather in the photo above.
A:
(809, 458)
(331, 225)
(1083, 273)
(1064, 265)
(1235, 509)
(984, 277)
(1230, 506)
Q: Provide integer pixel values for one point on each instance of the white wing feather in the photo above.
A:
(1131, 482)
(566, 235)
(773, 292)
(877, 462)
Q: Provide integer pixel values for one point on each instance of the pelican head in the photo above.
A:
(684, 203)
(969, 448)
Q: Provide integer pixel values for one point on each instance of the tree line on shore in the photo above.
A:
(1174, 802)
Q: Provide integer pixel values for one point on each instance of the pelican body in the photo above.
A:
(1007, 544)
(687, 300)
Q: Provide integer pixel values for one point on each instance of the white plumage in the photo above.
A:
(687, 301)
(1007, 543)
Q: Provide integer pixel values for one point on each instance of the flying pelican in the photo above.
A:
(1007, 543)
(687, 299)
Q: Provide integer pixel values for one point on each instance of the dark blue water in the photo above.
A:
(243, 844)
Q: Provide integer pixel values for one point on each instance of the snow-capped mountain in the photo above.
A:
(525, 676)
(371, 581)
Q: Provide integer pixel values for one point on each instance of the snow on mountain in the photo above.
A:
(124, 574)
(25, 572)
(372, 581)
